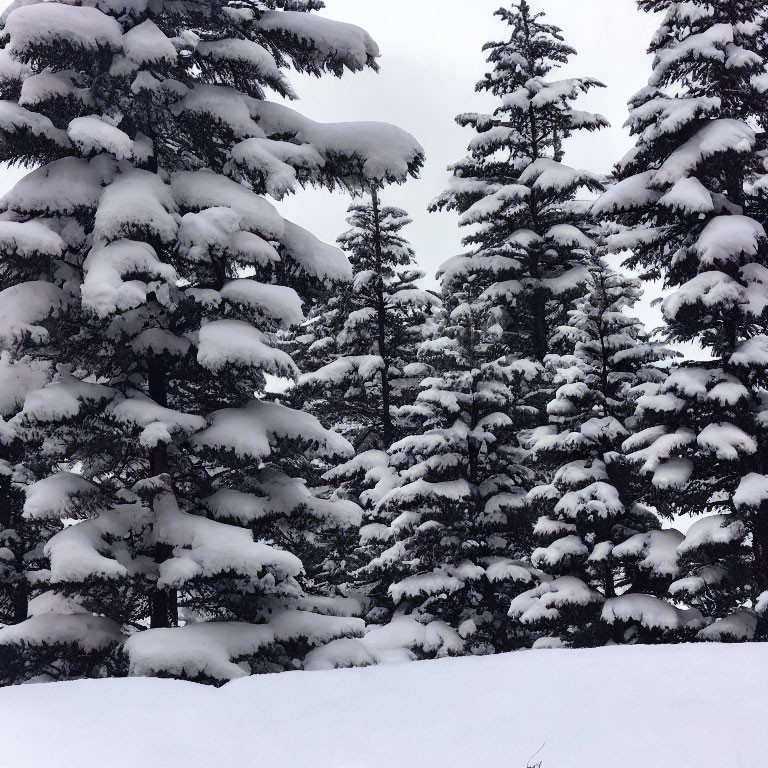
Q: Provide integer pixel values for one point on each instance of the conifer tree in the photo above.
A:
(450, 533)
(460, 518)
(589, 527)
(142, 252)
(514, 191)
(690, 194)
(358, 347)
(358, 351)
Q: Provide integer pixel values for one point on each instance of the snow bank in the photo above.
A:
(660, 706)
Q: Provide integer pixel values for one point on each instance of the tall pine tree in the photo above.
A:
(690, 192)
(142, 253)
(589, 526)
(358, 347)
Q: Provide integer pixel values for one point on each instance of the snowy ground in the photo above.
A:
(698, 706)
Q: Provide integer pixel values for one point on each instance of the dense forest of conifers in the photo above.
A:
(494, 466)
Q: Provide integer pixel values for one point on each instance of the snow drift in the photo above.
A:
(617, 707)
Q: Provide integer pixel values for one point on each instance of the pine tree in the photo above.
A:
(449, 534)
(358, 349)
(589, 526)
(527, 261)
(514, 190)
(142, 252)
(690, 194)
(359, 346)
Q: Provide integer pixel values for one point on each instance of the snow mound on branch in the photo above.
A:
(344, 370)
(61, 187)
(14, 118)
(250, 432)
(219, 650)
(405, 632)
(63, 398)
(380, 151)
(752, 492)
(105, 291)
(431, 706)
(716, 137)
(739, 626)
(53, 496)
(343, 653)
(329, 40)
(650, 612)
(316, 258)
(546, 601)
(92, 135)
(136, 202)
(29, 239)
(712, 530)
(146, 44)
(655, 551)
(25, 305)
(41, 24)
(633, 192)
(86, 632)
(224, 343)
(726, 237)
(205, 548)
(198, 190)
(274, 301)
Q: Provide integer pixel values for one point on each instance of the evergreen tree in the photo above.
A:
(589, 526)
(690, 194)
(504, 298)
(142, 252)
(514, 190)
(358, 347)
(451, 533)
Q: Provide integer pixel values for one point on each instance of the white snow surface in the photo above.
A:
(433, 714)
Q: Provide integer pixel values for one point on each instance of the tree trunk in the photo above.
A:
(164, 602)
(381, 308)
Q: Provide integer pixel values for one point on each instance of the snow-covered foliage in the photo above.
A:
(690, 197)
(357, 349)
(514, 192)
(141, 256)
(445, 539)
(585, 509)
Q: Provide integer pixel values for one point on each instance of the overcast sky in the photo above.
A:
(431, 60)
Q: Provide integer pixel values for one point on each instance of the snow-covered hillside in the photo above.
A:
(691, 706)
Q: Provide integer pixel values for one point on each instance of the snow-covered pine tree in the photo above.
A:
(588, 525)
(503, 298)
(691, 194)
(358, 350)
(446, 544)
(358, 347)
(515, 192)
(141, 250)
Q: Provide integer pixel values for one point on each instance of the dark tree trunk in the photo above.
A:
(164, 602)
(381, 309)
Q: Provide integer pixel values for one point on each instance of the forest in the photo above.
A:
(228, 448)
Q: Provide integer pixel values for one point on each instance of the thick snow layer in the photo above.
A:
(434, 714)
(328, 39)
(24, 305)
(49, 24)
(251, 431)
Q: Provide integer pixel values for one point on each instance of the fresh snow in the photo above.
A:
(433, 714)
